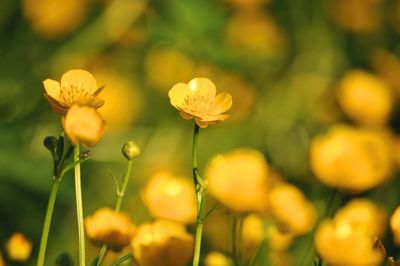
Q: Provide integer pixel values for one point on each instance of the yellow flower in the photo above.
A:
(54, 18)
(352, 159)
(291, 209)
(2, 263)
(278, 240)
(162, 243)
(217, 259)
(170, 197)
(341, 243)
(253, 234)
(365, 214)
(395, 225)
(365, 99)
(255, 33)
(18, 247)
(238, 179)
(108, 227)
(166, 66)
(197, 99)
(77, 87)
(84, 125)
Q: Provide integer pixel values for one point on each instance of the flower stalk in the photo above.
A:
(79, 208)
(201, 192)
(117, 208)
(47, 221)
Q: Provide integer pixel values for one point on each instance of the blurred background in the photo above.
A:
(283, 61)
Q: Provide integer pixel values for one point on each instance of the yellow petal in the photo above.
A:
(185, 115)
(202, 87)
(223, 102)
(52, 88)
(56, 105)
(178, 94)
(201, 123)
(81, 79)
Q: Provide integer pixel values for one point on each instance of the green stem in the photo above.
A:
(79, 208)
(47, 221)
(201, 191)
(235, 254)
(120, 195)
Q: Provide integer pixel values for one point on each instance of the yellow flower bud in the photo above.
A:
(130, 150)
(18, 247)
(83, 125)
(217, 259)
(291, 209)
(238, 179)
(171, 198)
(162, 243)
(108, 227)
(395, 225)
(278, 240)
(365, 98)
(352, 159)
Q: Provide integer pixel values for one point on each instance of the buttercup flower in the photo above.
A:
(162, 243)
(364, 214)
(365, 98)
(238, 179)
(171, 198)
(197, 99)
(341, 243)
(291, 209)
(18, 247)
(217, 259)
(106, 226)
(77, 87)
(395, 225)
(352, 159)
(83, 124)
(278, 240)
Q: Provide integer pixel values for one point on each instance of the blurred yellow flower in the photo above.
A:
(291, 209)
(197, 99)
(167, 66)
(172, 198)
(77, 87)
(365, 98)
(242, 91)
(123, 101)
(255, 33)
(106, 226)
(253, 234)
(360, 16)
(278, 240)
(18, 247)
(83, 125)
(341, 243)
(54, 18)
(162, 243)
(352, 159)
(238, 179)
(364, 214)
(2, 263)
(217, 259)
(395, 225)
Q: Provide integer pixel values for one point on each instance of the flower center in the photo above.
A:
(198, 104)
(71, 94)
